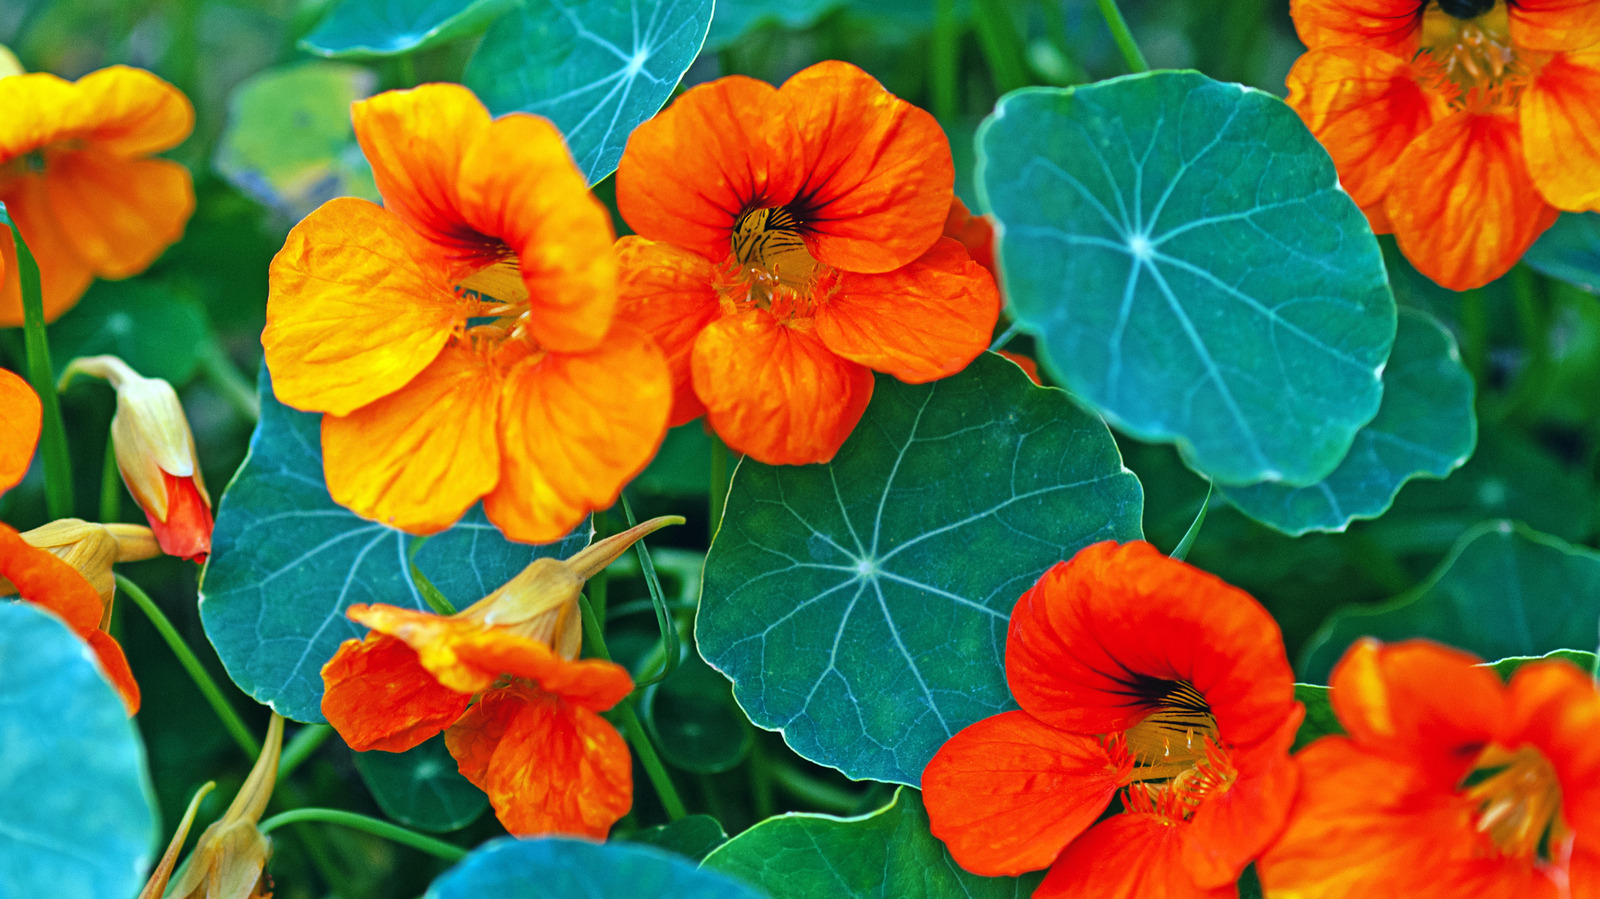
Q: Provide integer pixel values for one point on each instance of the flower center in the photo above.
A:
(1178, 760)
(1466, 9)
(1467, 52)
(771, 267)
(496, 301)
(1518, 801)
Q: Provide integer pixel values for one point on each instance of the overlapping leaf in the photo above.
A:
(560, 868)
(287, 561)
(1195, 273)
(1570, 250)
(861, 606)
(421, 787)
(363, 28)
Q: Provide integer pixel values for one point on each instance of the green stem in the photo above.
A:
(1005, 337)
(1181, 551)
(110, 485)
(53, 436)
(197, 672)
(1001, 43)
(761, 779)
(305, 742)
(946, 60)
(437, 848)
(720, 479)
(1475, 333)
(221, 373)
(1123, 37)
(815, 793)
(408, 70)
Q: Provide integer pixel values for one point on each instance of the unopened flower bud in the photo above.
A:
(9, 64)
(91, 549)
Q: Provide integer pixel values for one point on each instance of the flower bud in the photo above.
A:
(9, 64)
(91, 549)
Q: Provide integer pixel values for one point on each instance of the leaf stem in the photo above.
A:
(1123, 37)
(437, 848)
(306, 741)
(110, 485)
(946, 59)
(221, 373)
(1005, 337)
(53, 436)
(814, 792)
(1181, 551)
(721, 478)
(1001, 43)
(197, 672)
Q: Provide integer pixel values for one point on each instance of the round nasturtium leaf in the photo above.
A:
(1193, 270)
(1570, 250)
(1504, 590)
(694, 720)
(861, 606)
(286, 561)
(160, 333)
(563, 868)
(77, 817)
(692, 836)
(596, 68)
(888, 854)
(367, 28)
(1425, 427)
(422, 787)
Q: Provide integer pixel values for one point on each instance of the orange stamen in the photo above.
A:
(1518, 802)
(1474, 61)
(1174, 758)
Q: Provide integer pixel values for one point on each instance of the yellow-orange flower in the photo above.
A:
(77, 177)
(790, 243)
(1462, 126)
(460, 338)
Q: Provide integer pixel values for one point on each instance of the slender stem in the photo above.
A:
(1124, 38)
(408, 70)
(221, 373)
(761, 778)
(197, 672)
(946, 60)
(814, 792)
(437, 848)
(1001, 42)
(1475, 333)
(1181, 551)
(1005, 337)
(53, 437)
(110, 485)
(720, 479)
(306, 741)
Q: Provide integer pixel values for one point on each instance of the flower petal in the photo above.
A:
(378, 696)
(131, 112)
(574, 428)
(1555, 706)
(974, 232)
(20, 420)
(115, 667)
(719, 150)
(63, 275)
(1392, 25)
(44, 580)
(186, 531)
(434, 639)
(547, 765)
(1230, 830)
(878, 173)
(918, 323)
(118, 215)
(1127, 856)
(594, 684)
(419, 457)
(359, 305)
(40, 109)
(776, 392)
(1554, 25)
(669, 293)
(1008, 793)
(1561, 130)
(1088, 639)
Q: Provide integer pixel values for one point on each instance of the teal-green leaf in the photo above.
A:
(1504, 590)
(422, 787)
(1193, 269)
(694, 719)
(861, 606)
(888, 854)
(561, 868)
(1570, 250)
(735, 17)
(1584, 660)
(1320, 720)
(157, 331)
(692, 836)
(76, 814)
(367, 28)
(597, 68)
(1425, 427)
(286, 561)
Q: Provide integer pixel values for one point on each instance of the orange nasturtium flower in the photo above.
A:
(460, 338)
(1463, 126)
(1450, 783)
(36, 574)
(532, 737)
(790, 243)
(1136, 673)
(77, 178)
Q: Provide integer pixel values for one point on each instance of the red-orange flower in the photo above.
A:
(460, 338)
(790, 243)
(1449, 784)
(502, 679)
(76, 176)
(1462, 126)
(1136, 674)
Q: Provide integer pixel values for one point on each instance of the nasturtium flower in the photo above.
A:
(77, 177)
(1450, 783)
(460, 338)
(91, 549)
(790, 242)
(503, 681)
(1141, 677)
(1462, 126)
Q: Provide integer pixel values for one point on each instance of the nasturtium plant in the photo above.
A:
(1192, 269)
(421, 787)
(559, 868)
(362, 28)
(1570, 250)
(860, 606)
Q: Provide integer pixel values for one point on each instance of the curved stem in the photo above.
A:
(197, 672)
(437, 848)
(1124, 38)
(53, 435)
(305, 741)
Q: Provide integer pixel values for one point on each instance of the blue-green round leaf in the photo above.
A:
(888, 854)
(692, 836)
(735, 17)
(694, 720)
(1504, 590)
(1425, 427)
(76, 814)
(1193, 269)
(422, 787)
(861, 606)
(1570, 250)
(365, 28)
(560, 868)
(286, 561)
(597, 68)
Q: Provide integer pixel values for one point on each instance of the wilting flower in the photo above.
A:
(1463, 126)
(229, 860)
(91, 549)
(155, 454)
(532, 737)
(1449, 784)
(77, 177)
(1137, 675)
(460, 338)
(790, 244)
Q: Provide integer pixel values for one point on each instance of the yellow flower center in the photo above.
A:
(1467, 52)
(497, 309)
(1518, 801)
(1178, 760)
(771, 267)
